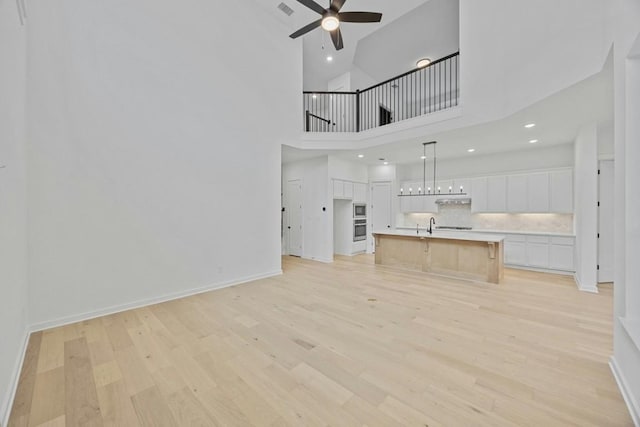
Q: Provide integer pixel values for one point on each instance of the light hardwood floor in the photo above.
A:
(348, 343)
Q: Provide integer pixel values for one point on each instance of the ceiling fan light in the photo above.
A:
(423, 62)
(330, 23)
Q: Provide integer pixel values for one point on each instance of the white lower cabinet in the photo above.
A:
(561, 253)
(515, 250)
(539, 251)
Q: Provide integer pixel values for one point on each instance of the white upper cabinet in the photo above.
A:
(444, 187)
(338, 189)
(497, 194)
(359, 192)
(479, 194)
(561, 188)
(462, 186)
(409, 202)
(535, 192)
(348, 190)
(538, 192)
(517, 193)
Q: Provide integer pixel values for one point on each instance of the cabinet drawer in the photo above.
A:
(538, 239)
(562, 240)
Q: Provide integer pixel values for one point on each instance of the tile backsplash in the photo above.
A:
(461, 216)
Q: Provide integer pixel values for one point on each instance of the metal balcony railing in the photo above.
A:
(417, 92)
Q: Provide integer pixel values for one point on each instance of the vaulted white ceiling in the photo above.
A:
(317, 43)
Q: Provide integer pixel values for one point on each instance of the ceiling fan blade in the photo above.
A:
(313, 6)
(336, 38)
(336, 5)
(306, 29)
(359, 17)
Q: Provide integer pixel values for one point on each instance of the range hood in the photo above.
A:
(454, 201)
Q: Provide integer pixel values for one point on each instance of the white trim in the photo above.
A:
(13, 386)
(593, 290)
(632, 404)
(145, 302)
(539, 270)
(319, 259)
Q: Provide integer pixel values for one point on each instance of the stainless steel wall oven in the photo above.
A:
(359, 230)
(359, 210)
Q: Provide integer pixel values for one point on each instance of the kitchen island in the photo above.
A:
(465, 255)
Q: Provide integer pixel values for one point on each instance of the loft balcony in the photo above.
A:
(418, 92)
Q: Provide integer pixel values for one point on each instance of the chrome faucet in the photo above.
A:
(432, 220)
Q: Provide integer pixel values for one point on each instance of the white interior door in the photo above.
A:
(294, 227)
(605, 221)
(380, 217)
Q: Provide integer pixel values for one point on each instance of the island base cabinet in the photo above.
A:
(475, 260)
(466, 259)
(410, 254)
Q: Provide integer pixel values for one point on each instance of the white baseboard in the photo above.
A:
(541, 270)
(629, 399)
(325, 260)
(5, 409)
(592, 289)
(149, 301)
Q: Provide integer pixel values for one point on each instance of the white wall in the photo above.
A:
(626, 336)
(154, 150)
(359, 79)
(585, 207)
(606, 149)
(346, 170)
(13, 211)
(429, 30)
(317, 231)
(517, 53)
(342, 83)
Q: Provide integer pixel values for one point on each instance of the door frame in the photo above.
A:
(289, 210)
(370, 240)
(606, 274)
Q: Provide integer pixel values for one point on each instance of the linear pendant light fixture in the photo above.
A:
(424, 190)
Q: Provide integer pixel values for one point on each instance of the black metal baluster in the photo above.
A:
(457, 87)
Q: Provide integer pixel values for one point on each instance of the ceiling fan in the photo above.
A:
(331, 19)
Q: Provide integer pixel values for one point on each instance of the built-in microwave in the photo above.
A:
(359, 210)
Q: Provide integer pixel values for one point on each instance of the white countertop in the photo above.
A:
(478, 230)
(437, 234)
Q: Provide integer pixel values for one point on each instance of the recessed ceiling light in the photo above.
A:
(329, 58)
(529, 125)
(533, 141)
(471, 150)
(423, 62)
(360, 156)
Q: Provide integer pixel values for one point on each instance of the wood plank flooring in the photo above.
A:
(342, 344)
